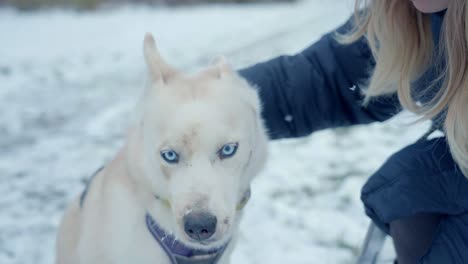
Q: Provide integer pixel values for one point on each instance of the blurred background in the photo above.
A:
(71, 72)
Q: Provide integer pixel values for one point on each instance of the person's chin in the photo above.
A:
(425, 7)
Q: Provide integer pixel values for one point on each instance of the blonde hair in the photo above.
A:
(400, 39)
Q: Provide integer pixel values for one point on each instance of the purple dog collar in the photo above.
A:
(179, 253)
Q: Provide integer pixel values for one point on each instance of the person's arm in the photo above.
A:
(318, 88)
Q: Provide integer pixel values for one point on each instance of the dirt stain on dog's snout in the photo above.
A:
(201, 202)
(166, 172)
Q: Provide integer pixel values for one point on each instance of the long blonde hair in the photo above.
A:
(401, 41)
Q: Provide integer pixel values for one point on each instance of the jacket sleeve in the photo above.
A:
(318, 88)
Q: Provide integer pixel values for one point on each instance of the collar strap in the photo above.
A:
(245, 199)
(88, 183)
(179, 253)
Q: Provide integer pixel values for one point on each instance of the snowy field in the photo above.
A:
(69, 81)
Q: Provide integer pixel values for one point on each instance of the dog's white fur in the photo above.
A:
(195, 116)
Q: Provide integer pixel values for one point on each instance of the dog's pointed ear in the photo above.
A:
(157, 67)
(220, 68)
(223, 65)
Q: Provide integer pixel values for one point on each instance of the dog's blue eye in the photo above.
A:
(170, 156)
(228, 150)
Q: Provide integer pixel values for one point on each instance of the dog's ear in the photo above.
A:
(158, 68)
(220, 68)
(223, 66)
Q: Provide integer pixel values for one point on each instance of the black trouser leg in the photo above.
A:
(412, 236)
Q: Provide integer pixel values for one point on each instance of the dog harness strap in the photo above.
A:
(179, 253)
(88, 183)
(150, 223)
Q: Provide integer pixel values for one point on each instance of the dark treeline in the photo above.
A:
(94, 4)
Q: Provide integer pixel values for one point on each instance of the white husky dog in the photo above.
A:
(174, 192)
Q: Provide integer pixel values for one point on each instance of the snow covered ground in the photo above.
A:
(68, 82)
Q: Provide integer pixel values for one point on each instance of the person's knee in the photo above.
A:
(412, 236)
(407, 164)
(409, 182)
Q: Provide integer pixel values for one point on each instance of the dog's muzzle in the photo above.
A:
(177, 252)
(199, 226)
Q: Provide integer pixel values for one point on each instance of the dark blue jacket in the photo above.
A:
(320, 88)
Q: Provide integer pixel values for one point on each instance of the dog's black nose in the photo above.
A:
(200, 225)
